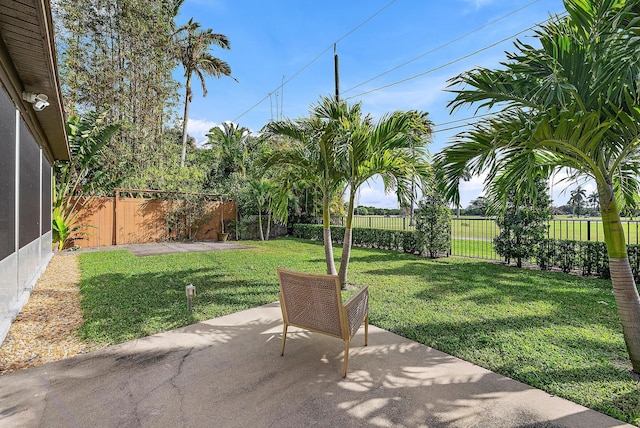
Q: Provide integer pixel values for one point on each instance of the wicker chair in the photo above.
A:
(314, 303)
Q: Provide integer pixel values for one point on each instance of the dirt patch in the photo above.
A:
(47, 327)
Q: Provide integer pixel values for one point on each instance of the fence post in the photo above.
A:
(404, 223)
(114, 239)
(369, 222)
(588, 230)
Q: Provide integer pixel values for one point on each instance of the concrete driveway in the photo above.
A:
(227, 372)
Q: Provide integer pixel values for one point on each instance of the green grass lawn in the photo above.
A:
(556, 332)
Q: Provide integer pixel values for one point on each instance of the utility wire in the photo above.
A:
(437, 125)
(444, 45)
(316, 58)
(415, 76)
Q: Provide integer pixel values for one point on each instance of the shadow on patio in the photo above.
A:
(227, 372)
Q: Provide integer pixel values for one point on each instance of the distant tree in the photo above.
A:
(523, 223)
(192, 50)
(593, 200)
(576, 200)
(478, 207)
(360, 210)
(433, 225)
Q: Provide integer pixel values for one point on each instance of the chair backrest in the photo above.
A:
(313, 302)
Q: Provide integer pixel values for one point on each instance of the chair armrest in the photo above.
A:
(357, 309)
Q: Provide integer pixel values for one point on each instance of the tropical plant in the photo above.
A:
(77, 182)
(270, 198)
(313, 156)
(231, 144)
(393, 149)
(192, 45)
(573, 102)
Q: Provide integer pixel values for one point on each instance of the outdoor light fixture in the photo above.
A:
(39, 101)
(190, 290)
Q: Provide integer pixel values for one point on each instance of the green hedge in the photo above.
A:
(590, 258)
(394, 240)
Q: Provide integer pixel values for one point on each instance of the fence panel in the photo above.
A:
(473, 236)
(123, 220)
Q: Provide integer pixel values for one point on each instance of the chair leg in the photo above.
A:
(284, 339)
(346, 358)
(366, 330)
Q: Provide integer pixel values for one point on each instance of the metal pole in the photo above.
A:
(336, 72)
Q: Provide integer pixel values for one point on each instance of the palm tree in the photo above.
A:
(592, 199)
(192, 50)
(313, 156)
(578, 195)
(392, 148)
(571, 103)
(231, 142)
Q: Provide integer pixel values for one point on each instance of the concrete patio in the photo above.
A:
(227, 372)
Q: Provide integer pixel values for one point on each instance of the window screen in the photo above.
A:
(46, 195)
(29, 187)
(7, 175)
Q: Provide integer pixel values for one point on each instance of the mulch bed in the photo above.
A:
(47, 327)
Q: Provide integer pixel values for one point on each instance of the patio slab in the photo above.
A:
(227, 372)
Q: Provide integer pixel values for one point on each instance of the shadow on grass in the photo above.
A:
(120, 307)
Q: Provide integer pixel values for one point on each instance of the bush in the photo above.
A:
(590, 258)
(433, 226)
(395, 240)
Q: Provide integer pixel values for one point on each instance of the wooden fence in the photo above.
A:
(126, 220)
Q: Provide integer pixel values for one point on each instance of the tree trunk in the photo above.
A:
(185, 119)
(624, 286)
(413, 190)
(260, 224)
(328, 245)
(268, 224)
(346, 244)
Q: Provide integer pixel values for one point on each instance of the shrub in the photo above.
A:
(433, 226)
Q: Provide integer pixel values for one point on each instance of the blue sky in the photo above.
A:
(292, 40)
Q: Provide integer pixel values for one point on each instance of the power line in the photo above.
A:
(448, 63)
(450, 42)
(462, 120)
(316, 58)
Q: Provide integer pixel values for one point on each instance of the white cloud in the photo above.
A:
(198, 128)
(478, 3)
(374, 196)
(470, 190)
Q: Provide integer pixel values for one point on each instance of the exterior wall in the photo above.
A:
(25, 212)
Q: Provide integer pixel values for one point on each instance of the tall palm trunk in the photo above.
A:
(413, 190)
(260, 224)
(268, 224)
(328, 245)
(624, 286)
(185, 119)
(348, 239)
